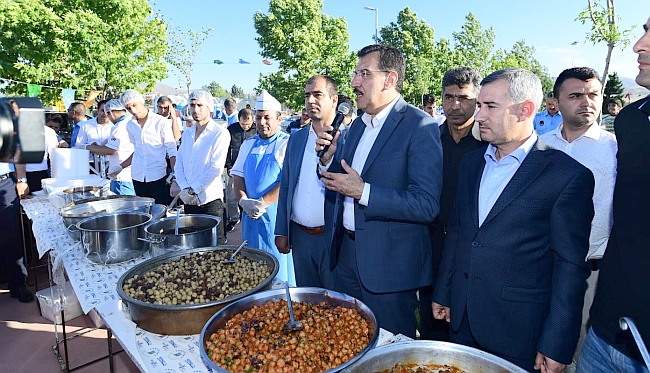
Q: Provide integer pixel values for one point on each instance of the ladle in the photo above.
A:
(292, 325)
(178, 214)
(232, 257)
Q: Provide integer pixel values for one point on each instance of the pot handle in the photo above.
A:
(73, 228)
(151, 240)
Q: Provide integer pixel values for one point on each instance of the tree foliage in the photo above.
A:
(613, 89)
(304, 42)
(183, 47)
(216, 90)
(237, 92)
(415, 39)
(473, 45)
(604, 29)
(78, 44)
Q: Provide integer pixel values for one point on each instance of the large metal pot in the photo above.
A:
(73, 195)
(190, 318)
(194, 231)
(73, 214)
(113, 237)
(311, 295)
(431, 352)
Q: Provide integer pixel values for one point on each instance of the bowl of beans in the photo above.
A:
(248, 334)
(176, 293)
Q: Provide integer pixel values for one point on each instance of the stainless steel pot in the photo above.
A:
(72, 195)
(311, 295)
(194, 231)
(73, 214)
(113, 237)
(431, 352)
(190, 318)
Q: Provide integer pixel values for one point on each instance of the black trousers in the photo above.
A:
(431, 328)
(214, 208)
(34, 180)
(11, 244)
(153, 189)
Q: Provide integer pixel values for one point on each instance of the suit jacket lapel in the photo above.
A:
(532, 166)
(394, 117)
(475, 174)
(354, 135)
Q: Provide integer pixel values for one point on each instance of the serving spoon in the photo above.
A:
(292, 325)
(232, 257)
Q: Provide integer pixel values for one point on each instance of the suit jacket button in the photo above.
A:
(474, 244)
(466, 275)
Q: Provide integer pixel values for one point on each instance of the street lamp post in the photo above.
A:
(376, 20)
(574, 53)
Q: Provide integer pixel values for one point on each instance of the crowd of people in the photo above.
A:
(492, 219)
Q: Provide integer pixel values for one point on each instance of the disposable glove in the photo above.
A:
(174, 189)
(114, 170)
(189, 198)
(248, 205)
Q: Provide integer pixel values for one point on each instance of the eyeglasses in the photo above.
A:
(365, 73)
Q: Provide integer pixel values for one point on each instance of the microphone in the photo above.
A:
(342, 111)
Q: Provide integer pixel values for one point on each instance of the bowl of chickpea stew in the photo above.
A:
(176, 293)
(248, 335)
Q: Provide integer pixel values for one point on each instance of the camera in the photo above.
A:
(22, 138)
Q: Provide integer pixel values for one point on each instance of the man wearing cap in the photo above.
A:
(549, 119)
(256, 174)
(118, 148)
(153, 140)
(201, 159)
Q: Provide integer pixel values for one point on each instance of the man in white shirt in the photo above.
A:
(200, 162)
(96, 130)
(579, 94)
(153, 141)
(166, 109)
(300, 224)
(76, 114)
(39, 171)
(118, 147)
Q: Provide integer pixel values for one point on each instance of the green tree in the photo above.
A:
(521, 55)
(415, 39)
(304, 42)
(604, 29)
(216, 90)
(613, 89)
(77, 44)
(236, 91)
(183, 47)
(473, 45)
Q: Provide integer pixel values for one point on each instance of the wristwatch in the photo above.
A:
(21, 180)
(190, 191)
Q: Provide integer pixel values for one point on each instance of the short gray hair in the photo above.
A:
(523, 84)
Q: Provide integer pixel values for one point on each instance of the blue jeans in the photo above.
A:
(599, 356)
(123, 188)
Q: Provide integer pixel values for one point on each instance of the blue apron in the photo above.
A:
(262, 173)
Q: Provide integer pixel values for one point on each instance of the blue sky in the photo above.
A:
(548, 26)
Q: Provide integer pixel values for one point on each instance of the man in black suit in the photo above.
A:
(622, 289)
(387, 179)
(512, 276)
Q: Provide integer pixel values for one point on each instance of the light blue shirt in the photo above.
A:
(497, 175)
(5, 168)
(545, 122)
(232, 118)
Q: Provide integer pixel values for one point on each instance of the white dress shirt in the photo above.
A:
(119, 140)
(595, 149)
(93, 132)
(51, 143)
(498, 173)
(200, 161)
(308, 204)
(370, 133)
(152, 142)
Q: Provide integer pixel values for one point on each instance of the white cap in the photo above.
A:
(203, 96)
(267, 102)
(131, 95)
(113, 105)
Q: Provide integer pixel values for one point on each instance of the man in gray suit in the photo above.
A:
(387, 178)
(300, 224)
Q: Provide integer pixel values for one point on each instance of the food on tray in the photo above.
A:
(197, 278)
(255, 340)
(418, 368)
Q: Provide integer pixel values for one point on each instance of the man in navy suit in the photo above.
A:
(513, 272)
(387, 178)
(300, 225)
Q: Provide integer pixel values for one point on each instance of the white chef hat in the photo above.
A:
(131, 95)
(114, 105)
(267, 102)
(203, 96)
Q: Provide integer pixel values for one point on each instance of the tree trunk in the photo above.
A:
(610, 48)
